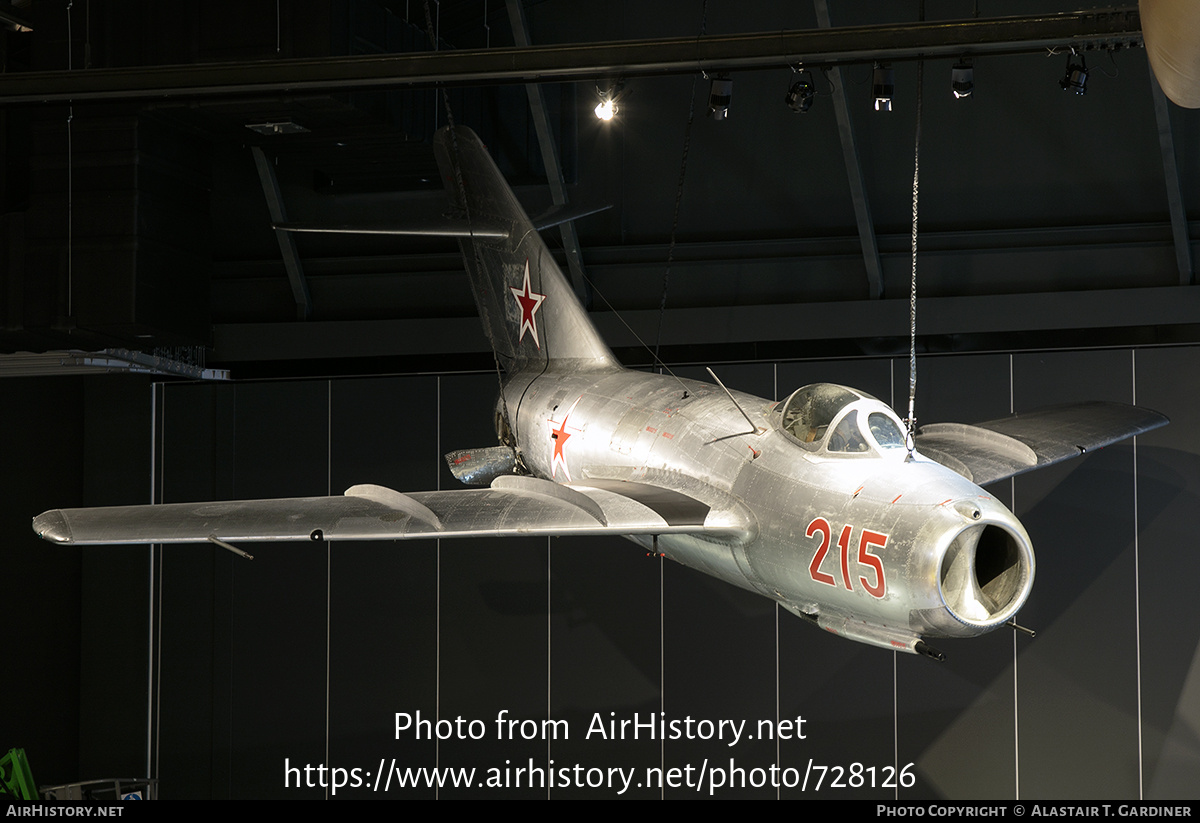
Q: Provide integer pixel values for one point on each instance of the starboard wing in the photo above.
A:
(511, 506)
(998, 449)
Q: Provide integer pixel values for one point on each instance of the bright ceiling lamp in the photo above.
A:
(607, 108)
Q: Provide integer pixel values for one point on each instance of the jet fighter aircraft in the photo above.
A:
(818, 502)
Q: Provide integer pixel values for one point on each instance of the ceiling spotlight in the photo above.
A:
(962, 79)
(1075, 79)
(607, 108)
(883, 86)
(799, 97)
(720, 92)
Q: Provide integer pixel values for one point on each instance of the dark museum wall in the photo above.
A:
(305, 654)
(1046, 231)
(77, 622)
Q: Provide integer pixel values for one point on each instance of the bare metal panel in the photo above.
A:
(512, 506)
(1009, 446)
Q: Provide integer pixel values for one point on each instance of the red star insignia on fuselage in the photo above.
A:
(529, 301)
(560, 435)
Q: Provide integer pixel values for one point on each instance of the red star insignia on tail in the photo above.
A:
(529, 301)
(560, 435)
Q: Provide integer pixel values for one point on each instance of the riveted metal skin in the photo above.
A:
(915, 575)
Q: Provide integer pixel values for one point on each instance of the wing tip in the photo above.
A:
(53, 526)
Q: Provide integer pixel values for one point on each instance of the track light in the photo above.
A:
(607, 108)
(883, 86)
(799, 97)
(720, 92)
(1075, 79)
(962, 79)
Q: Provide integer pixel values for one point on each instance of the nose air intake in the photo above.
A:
(986, 574)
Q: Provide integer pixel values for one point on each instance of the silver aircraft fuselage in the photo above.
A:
(872, 543)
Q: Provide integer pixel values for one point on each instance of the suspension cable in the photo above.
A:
(910, 440)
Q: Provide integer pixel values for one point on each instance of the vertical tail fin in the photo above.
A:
(529, 312)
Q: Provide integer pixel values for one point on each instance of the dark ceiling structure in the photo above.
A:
(150, 150)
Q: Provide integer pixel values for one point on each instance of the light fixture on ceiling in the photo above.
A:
(800, 94)
(607, 108)
(1075, 80)
(883, 86)
(720, 92)
(962, 78)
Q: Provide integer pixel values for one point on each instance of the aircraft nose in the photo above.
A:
(986, 569)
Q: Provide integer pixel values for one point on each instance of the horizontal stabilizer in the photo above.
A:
(445, 227)
(557, 215)
(512, 506)
(997, 449)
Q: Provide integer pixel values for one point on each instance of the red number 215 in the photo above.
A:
(864, 556)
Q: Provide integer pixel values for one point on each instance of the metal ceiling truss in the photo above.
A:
(858, 187)
(1152, 313)
(105, 361)
(1117, 26)
(287, 243)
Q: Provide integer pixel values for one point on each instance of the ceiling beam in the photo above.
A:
(535, 64)
(1166, 145)
(105, 361)
(14, 18)
(287, 243)
(1162, 306)
(858, 187)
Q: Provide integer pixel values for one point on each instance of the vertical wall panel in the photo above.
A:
(41, 587)
(1168, 462)
(115, 597)
(279, 606)
(605, 660)
(186, 599)
(384, 595)
(1078, 679)
(199, 425)
(569, 628)
(493, 615)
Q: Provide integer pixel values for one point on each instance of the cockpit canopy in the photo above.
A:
(840, 421)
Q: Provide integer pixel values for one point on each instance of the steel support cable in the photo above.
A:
(910, 440)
